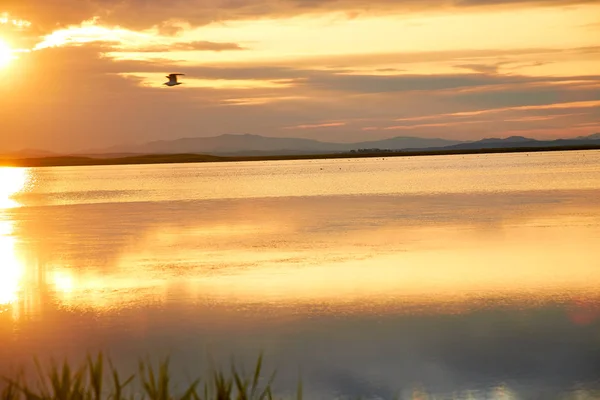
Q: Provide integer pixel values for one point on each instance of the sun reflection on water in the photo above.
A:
(63, 282)
(11, 268)
(12, 181)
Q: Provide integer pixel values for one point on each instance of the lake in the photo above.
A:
(466, 276)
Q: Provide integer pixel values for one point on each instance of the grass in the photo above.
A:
(98, 379)
(196, 158)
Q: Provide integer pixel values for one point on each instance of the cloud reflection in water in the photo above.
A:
(447, 289)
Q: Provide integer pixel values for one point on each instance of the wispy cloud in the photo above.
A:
(7, 19)
(553, 106)
(90, 31)
(198, 45)
(435, 125)
(149, 13)
(118, 39)
(256, 101)
(313, 126)
(541, 117)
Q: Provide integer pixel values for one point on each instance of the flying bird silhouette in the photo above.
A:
(173, 80)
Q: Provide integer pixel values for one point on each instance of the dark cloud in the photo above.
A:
(592, 26)
(482, 68)
(470, 56)
(509, 2)
(404, 83)
(199, 45)
(339, 80)
(543, 93)
(146, 13)
(589, 50)
(494, 68)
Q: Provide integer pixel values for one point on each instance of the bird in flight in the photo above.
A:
(172, 80)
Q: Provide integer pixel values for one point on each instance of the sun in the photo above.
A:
(6, 54)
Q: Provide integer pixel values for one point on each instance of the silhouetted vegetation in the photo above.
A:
(373, 150)
(197, 158)
(98, 379)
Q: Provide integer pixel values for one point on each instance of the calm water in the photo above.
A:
(456, 276)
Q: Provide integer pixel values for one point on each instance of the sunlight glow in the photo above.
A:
(97, 291)
(6, 19)
(89, 31)
(63, 282)
(12, 181)
(6, 54)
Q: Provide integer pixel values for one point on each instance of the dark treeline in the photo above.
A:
(197, 158)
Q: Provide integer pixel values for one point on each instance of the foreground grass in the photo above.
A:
(98, 379)
(199, 158)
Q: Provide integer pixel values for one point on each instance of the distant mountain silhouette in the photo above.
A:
(27, 153)
(511, 139)
(595, 136)
(256, 145)
(403, 142)
(520, 141)
(247, 144)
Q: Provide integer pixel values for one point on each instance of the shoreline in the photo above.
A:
(76, 161)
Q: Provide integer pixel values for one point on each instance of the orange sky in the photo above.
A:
(82, 75)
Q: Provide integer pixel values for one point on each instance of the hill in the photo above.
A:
(247, 144)
(521, 142)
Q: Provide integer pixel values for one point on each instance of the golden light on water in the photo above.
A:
(12, 181)
(11, 268)
(96, 291)
(63, 282)
(519, 268)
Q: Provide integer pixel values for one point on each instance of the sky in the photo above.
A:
(88, 74)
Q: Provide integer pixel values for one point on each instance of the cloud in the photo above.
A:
(539, 93)
(454, 57)
(548, 108)
(592, 26)
(506, 120)
(312, 126)
(401, 83)
(198, 45)
(360, 83)
(433, 125)
(81, 100)
(142, 14)
(119, 39)
(482, 68)
(82, 97)
(7, 20)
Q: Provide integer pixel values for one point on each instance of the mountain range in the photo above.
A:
(247, 144)
(256, 145)
(520, 142)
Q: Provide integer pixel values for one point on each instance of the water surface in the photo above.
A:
(473, 275)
